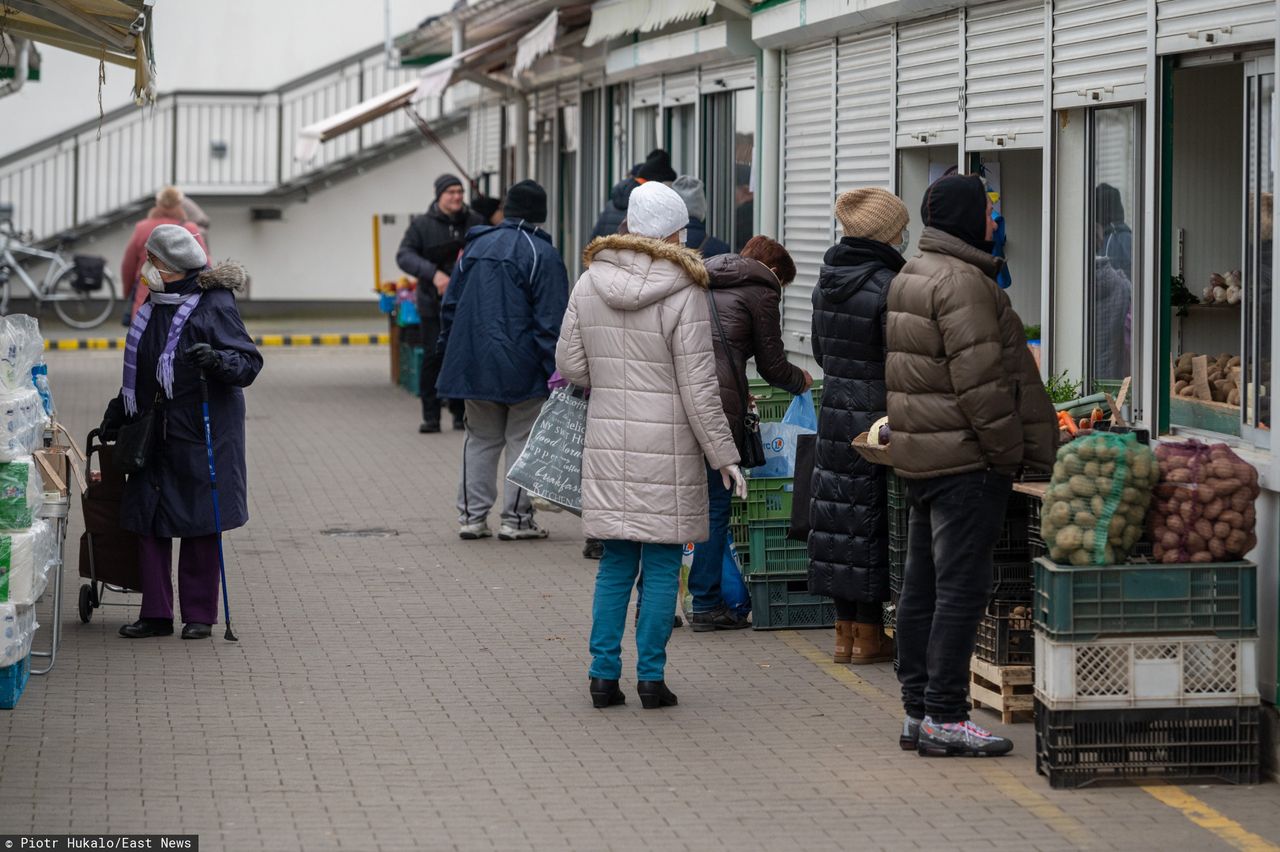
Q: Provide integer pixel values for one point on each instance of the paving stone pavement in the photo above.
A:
(412, 691)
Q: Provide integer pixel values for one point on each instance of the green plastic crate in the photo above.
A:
(1079, 603)
(783, 602)
(772, 403)
(773, 553)
(769, 498)
(410, 367)
(739, 530)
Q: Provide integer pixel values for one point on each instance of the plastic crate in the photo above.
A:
(13, 680)
(1076, 748)
(899, 520)
(769, 498)
(1005, 635)
(1078, 603)
(773, 553)
(1035, 541)
(784, 601)
(410, 367)
(1156, 671)
(1012, 580)
(772, 403)
(1012, 544)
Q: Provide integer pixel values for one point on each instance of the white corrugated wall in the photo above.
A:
(864, 111)
(1004, 75)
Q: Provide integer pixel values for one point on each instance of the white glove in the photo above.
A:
(731, 475)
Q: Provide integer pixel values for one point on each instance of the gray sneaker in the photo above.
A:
(471, 532)
(959, 738)
(910, 736)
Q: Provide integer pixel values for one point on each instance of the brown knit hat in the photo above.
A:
(872, 213)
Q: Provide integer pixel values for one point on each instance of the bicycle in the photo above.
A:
(79, 302)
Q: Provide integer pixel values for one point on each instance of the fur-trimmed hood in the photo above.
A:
(228, 275)
(632, 272)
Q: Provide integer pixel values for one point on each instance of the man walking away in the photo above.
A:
(428, 252)
(498, 330)
(696, 236)
(968, 411)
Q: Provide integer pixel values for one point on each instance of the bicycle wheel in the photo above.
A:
(79, 309)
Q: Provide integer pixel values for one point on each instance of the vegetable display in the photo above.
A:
(1203, 509)
(1096, 503)
(1208, 378)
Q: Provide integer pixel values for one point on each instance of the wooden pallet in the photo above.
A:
(1007, 690)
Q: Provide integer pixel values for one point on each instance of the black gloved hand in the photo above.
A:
(112, 419)
(203, 356)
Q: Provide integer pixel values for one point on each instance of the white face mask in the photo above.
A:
(906, 240)
(684, 236)
(151, 277)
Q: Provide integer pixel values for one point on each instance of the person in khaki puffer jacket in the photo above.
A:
(637, 332)
(968, 411)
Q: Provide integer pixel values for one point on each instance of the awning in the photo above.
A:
(432, 83)
(613, 18)
(539, 41)
(116, 31)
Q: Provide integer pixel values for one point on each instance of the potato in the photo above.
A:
(1170, 556)
(1059, 471)
(1069, 537)
(1240, 501)
(1084, 520)
(1221, 530)
(1215, 508)
(1175, 524)
(1178, 475)
(1060, 514)
(1117, 527)
(1201, 556)
(1179, 385)
(1205, 493)
(1093, 469)
(1097, 505)
(1081, 557)
(1250, 517)
(1195, 541)
(1083, 486)
(1204, 529)
(1235, 543)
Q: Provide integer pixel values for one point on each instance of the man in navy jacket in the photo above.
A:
(499, 324)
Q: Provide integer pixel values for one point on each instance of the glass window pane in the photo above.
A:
(1256, 396)
(744, 144)
(681, 127)
(1114, 261)
(644, 132)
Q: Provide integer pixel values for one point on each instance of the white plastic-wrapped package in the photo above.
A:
(17, 627)
(21, 423)
(21, 346)
(21, 493)
(25, 558)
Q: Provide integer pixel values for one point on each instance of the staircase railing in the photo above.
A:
(206, 142)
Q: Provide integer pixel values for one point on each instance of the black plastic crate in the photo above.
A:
(1005, 634)
(1035, 541)
(1076, 748)
(1012, 544)
(899, 520)
(1012, 580)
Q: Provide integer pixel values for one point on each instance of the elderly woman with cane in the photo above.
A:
(185, 342)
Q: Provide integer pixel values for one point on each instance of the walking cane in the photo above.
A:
(217, 515)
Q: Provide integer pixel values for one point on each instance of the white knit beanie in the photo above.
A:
(656, 210)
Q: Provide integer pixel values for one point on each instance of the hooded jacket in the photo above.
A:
(849, 534)
(501, 315)
(171, 498)
(615, 209)
(637, 333)
(964, 391)
(747, 298)
(432, 243)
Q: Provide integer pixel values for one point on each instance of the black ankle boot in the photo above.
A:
(605, 693)
(654, 694)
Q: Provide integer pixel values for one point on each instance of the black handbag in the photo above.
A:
(751, 447)
(798, 529)
(135, 441)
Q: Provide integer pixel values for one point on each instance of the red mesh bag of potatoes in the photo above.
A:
(1202, 509)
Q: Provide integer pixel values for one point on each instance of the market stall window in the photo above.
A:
(917, 169)
(644, 132)
(730, 131)
(681, 138)
(1221, 181)
(1113, 241)
(594, 155)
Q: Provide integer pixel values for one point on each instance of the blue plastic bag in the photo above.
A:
(733, 589)
(408, 314)
(779, 439)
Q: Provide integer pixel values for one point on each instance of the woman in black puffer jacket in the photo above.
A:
(849, 536)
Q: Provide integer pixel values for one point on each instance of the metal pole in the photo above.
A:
(768, 190)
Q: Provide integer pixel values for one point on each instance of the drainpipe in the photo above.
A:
(20, 68)
(768, 188)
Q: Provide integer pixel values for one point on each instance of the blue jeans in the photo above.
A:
(614, 580)
(955, 523)
(708, 556)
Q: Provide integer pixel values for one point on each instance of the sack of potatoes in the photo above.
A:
(1203, 509)
(1096, 504)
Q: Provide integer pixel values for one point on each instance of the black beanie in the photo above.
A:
(485, 206)
(957, 205)
(657, 166)
(445, 181)
(526, 200)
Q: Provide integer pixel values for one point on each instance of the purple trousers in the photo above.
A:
(197, 578)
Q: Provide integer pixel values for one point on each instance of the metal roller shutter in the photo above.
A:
(1004, 75)
(1099, 52)
(1183, 25)
(544, 103)
(646, 92)
(729, 77)
(808, 167)
(929, 64)
(485, 139)
(864, 114)
(680, 89)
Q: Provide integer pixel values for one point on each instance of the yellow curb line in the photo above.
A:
(1003, 780)
(1210, 819)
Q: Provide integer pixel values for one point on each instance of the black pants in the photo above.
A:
(863, 612)
(955, 523)
(431, 361)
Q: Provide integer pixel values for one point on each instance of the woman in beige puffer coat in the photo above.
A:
(637, 332)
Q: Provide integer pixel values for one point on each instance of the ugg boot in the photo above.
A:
(844, 642)
(870, 645)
